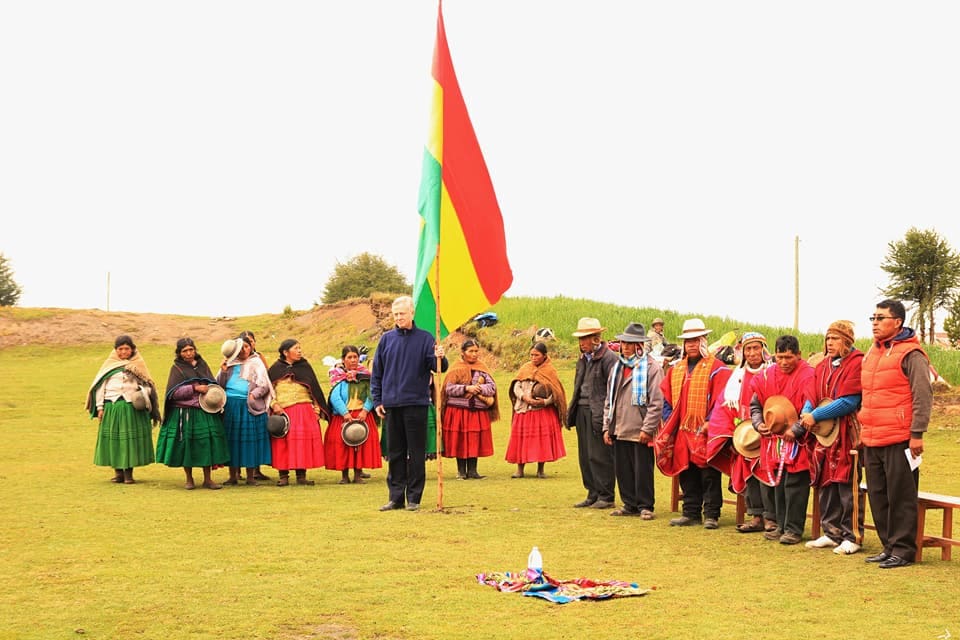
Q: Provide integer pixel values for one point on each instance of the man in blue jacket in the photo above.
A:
(400, 387)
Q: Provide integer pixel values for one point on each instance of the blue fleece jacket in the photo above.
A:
(401, 368)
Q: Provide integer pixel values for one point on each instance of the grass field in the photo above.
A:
(86, 558)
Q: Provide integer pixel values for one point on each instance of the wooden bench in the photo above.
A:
(925, 502)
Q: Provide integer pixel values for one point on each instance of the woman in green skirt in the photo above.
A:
(192, 433)
(123, 397)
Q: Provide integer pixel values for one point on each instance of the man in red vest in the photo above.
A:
(897, 400)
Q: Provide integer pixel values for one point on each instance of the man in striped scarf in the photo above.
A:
(631, 417)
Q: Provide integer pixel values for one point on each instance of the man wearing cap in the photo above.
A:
(586, 413)
(779, 394)
(656, 341)
(400, 391)
(631, 417)
(836, 396)
(733, 409)
(897, 400)
(690, 390)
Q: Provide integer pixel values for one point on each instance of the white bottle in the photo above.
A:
(535, 562)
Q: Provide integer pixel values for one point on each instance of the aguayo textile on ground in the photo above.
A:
(559, 591)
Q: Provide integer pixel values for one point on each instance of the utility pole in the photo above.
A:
(796, 284)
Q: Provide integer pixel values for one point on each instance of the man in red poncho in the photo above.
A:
(690, 389)
(784, 458)
(837, 387)
(732, 408)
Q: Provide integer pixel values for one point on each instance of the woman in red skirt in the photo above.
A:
(350, 399)
(468, 404)
(300, 397)
(539, 407)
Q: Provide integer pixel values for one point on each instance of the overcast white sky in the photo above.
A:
(219, 158)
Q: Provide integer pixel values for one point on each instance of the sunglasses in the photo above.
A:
(879, 318)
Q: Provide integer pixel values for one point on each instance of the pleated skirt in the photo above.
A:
(302, 447)
(247, 436)
(191, 437)
(535, 436)
(125, 437)
(466, 433)
(341, 457)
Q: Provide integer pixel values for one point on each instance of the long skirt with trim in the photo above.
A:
(535, 436)
(341, 456)
(302, 447)
(125, 437)
(466, 433)
(191, 437)
(247, 435)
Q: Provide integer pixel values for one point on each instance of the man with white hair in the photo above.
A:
(400, 389)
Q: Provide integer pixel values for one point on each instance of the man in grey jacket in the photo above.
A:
(631, 417)
(586, 413)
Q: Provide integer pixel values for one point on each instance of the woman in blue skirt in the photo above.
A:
(249, 394)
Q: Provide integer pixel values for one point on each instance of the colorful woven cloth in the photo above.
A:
(559, 591)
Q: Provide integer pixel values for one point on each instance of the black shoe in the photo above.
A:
(473, 475)
(883, 556)
(584, 503)
(602, 504)
(684, 521)
(413, 506)
(895, 561)
(390, 506)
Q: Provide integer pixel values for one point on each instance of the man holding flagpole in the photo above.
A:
(399, 386)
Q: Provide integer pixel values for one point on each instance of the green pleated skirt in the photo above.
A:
(125, 437)
(191, 437)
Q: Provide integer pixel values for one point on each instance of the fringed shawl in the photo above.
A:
(302, 373)
(462, 373)
(135, 366)
(545, 374)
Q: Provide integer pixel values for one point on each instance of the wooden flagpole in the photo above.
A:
(437, 382)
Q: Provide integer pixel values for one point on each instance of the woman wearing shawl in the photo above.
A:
(468, 404)
(123, 397)
(298, 395)
(350, 399)
(539, 409)
(190, 437)
(249, 393)
(257, 473)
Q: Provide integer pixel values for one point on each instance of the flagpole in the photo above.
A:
(438, 382)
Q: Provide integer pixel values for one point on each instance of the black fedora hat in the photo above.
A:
(635, 332)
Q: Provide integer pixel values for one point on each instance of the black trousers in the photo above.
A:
(406, 458)
(791, 497)
(753, 498)
(892, 489)
(836, 510)
(595, 457)
(633, 463)
(702, 490)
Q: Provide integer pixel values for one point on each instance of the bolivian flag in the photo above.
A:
(462, 246)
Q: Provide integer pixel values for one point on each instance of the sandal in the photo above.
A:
(770, 525)
(646, 514)
(624, 512)
(517, 475)
(231, 481)
(754, 526)
(212, 485)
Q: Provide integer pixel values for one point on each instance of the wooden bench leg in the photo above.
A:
(815, 516)
(674, 494)
(921, 521)
(741, 509)
(946, 551)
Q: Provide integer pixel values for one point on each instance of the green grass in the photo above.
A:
(152, 560)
